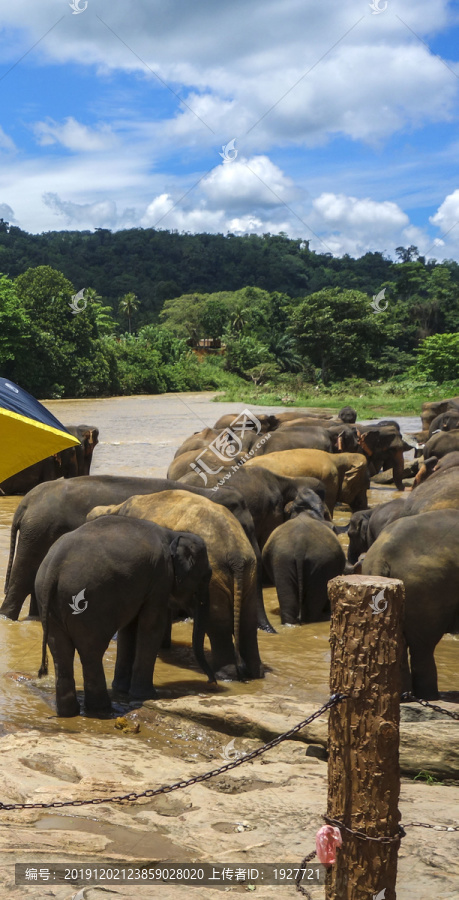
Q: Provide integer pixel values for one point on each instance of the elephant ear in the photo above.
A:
(182, 558)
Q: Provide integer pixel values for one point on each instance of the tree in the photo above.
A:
(129, 305)
(283, 349)
(438, 358)
(338, 332)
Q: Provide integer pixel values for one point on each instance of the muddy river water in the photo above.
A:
(138, 436)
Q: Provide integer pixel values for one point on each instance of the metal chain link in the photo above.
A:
(428, 705)
(299, 886)
(332, 701)
(362, 835)
(434, 827)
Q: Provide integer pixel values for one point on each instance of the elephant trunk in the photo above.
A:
(199, 629)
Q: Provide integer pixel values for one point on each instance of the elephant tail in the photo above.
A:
(241, 668)
(14, 530)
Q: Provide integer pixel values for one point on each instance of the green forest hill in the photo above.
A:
(295, 325)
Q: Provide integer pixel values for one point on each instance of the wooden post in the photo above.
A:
(363, 770)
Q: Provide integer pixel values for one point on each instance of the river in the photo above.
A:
(139, 436)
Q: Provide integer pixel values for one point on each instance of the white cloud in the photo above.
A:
(7, 214)
(447, 217)
(6, 143)
(74, 135)
(102, 214)
(254, 182)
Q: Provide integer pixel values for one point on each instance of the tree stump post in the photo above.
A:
(367, 644)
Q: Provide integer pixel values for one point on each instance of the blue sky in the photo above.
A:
(344, 119)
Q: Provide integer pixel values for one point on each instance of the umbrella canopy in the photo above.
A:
(28, 431)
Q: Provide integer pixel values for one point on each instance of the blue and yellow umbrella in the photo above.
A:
(29, 432)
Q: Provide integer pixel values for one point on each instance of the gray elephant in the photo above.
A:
(300, 557)
(365, 526)
(117, 576)
(88, 435)
(51, 510)
(233, 586)
(423, 552)
(441, 443)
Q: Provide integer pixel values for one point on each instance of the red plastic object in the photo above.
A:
(328, 838)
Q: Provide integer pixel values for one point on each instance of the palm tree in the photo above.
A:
(129, 304)
(239, 320)
(282, 346)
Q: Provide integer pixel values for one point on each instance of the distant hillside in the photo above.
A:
(159, 265)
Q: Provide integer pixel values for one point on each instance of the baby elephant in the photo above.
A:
(118, 574)
(300, 557)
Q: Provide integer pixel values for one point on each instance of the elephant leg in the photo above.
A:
(21, 582)
(398, 466)
(220, 632)
(125, 654)
(63, 653)
(314, 602)
(424, 671)
(151, 624)
(263, 622)
(167, 637)
(286, 578)
(96, 699)
(34, 612)
(248, 638)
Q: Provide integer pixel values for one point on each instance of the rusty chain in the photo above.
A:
(332, 701)
(429, 705)
(384, 840)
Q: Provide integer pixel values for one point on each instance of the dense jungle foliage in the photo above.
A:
(291, 323)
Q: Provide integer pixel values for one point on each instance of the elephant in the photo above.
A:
(344, 475)
(48, 469)
(222, 449)
(445, 422)
(265, 493)
(266, 422)
(289, 415)
(432, 409)
(295, 436)
(383, 445)
(122, 576)
(67, 463)
(365, 526)
(88, 435)
(441, 443)
(423, 552)
(348, 415)
(51, 510)
(430, 466)
(206, 461)
(439, 491)
(300, 557)
(233, 585)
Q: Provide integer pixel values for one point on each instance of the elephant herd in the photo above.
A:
(241, 507)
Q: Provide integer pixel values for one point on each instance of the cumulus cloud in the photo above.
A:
(447, 217)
